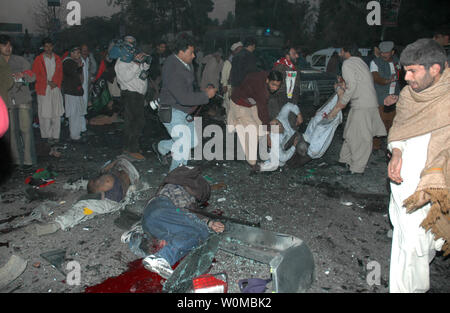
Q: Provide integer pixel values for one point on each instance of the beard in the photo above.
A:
(426, 82)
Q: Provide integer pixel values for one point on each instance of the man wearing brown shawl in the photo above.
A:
(419, 167)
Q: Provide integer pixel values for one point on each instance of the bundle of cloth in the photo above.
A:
(312, 144)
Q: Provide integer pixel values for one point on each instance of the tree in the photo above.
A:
(293, 19)
(93, 31)
(229, 21)
(149, 20)
(48, 19)
(340, 22)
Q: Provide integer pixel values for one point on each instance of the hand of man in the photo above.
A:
(395, 166)
(52, 84)
(139, 57)
(218, 227)
(299, 119)
(225, 89)
(390, 100)
(269, 142)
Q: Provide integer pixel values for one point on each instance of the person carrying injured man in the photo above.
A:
(167, 219)
(281, 132)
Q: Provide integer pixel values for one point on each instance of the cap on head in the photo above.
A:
(236, 45)
(386, 46)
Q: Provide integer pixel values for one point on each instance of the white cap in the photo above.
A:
(236, 45)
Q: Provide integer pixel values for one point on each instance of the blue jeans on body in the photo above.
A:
(182, 140)
(182, 230)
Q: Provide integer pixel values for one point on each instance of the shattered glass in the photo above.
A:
(194, 264)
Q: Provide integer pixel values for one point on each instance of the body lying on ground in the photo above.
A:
(107, 193)
(167, 219)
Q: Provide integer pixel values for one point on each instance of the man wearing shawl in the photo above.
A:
(419, 168)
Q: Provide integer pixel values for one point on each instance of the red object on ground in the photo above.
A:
(46, 184)
(207, 283)
(135, 280)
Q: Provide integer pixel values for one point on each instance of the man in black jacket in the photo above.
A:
(178, 101)
(243, 63)
(72, 86)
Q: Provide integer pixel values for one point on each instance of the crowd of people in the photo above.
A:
(414, 118)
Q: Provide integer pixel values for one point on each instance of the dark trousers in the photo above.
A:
(133, 103)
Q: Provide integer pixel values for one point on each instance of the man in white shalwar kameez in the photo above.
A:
(363, 121)
(419, 168)
(48, 69)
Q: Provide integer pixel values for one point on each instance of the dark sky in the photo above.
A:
(21, 11)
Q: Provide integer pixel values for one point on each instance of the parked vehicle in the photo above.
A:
(319, 59)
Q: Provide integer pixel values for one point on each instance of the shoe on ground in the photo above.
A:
(136, 156)
(349, 172)
(135, 229)
(158, 265)
(255, 168)
(266, 167)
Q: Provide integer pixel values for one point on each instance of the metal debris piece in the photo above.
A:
(290, 260)
(196, 263)
(12, 270)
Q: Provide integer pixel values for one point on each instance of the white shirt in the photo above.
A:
(278, 156)
(128, 76)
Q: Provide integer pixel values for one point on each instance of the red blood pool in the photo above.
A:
(135, 280)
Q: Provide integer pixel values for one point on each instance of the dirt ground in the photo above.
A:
(343, 219)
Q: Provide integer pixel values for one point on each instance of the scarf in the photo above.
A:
(286, 62)
(419, 114)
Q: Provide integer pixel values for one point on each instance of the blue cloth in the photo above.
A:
(182, 140)
(182, 230)
(116, 192)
